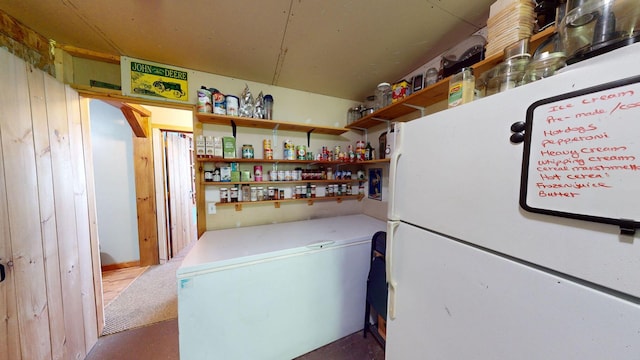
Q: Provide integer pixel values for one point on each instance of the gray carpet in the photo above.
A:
(151, 298)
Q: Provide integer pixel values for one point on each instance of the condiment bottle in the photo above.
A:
(368, 152)
(461, 87)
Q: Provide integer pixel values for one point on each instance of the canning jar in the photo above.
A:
(224, 195)
(383, 95)
(234, 194)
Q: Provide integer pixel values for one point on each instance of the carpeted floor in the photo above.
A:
(159, 341)
(151, 298)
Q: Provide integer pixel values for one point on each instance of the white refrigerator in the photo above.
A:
(473, 275)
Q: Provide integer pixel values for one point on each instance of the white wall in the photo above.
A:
(114, 176)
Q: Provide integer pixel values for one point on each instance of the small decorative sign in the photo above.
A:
(155, 80)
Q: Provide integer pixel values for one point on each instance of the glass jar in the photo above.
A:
(254, 193)
(370, 102)
(260, 193)
(432, 77)
(461, 87)
(383, 95)
(353, 114)
(224, 195)
(234, 194)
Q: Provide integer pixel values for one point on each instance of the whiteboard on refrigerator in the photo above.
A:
(582, 155)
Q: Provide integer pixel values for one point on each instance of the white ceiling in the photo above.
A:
(337, 48)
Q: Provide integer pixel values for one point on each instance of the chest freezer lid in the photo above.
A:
(222, 248)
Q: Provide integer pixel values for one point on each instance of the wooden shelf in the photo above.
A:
(207, 118)
(258, 183)
(281, 161)
(276, 203)
(435, 93)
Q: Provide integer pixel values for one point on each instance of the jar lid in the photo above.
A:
(553, 60)
(247, 145)
(383, 85)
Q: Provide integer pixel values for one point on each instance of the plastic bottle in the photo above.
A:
(461, 87)
(268, 107)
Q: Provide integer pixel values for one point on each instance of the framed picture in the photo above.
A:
(375, 184)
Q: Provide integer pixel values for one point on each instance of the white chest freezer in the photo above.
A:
(274, 291)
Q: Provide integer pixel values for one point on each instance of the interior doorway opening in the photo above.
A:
(170, 188)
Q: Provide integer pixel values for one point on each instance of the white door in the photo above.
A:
(455, 301)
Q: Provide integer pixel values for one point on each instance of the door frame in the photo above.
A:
(138, 118)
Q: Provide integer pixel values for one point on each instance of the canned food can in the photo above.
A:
(301, 152)
(247, 151)
(268, 154)
(218, 102)
(289, 154)
(232, 103)
(204, 101)
(257, 173)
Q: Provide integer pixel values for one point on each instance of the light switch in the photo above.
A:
(211, 208)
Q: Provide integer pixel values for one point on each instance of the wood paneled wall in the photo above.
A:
(47, 240)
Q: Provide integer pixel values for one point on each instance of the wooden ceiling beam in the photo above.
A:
(89, 54)
(136, 115)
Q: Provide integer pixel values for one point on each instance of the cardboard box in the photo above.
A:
(217, 147)
(225, 173)
(229, 147)
(200, 140)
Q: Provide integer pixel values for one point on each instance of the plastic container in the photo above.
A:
(204, 101)
(461, 87)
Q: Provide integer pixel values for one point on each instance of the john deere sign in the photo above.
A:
(153, 80)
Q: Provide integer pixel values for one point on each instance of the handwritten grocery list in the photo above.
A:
(582, 153)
